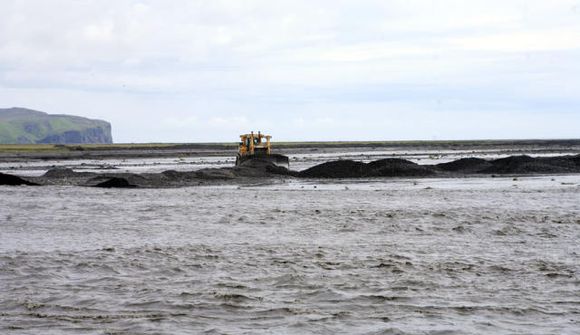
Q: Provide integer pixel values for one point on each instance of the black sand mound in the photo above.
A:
(465, 165)
(115, 182)
(65, 173)
(260, 168)
(526, 164)
(403, 168)
(511, 164)
(210, 174)
(254, 168)
(172, 174)
(394, 167)
(8, 179)
(336, 169)
(514, 165)
(179, 175)
(390, 167)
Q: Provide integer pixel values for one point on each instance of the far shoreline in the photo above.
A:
(25, 152)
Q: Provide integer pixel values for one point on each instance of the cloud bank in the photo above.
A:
(182, 70)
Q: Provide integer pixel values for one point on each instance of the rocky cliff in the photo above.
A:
(25, 126)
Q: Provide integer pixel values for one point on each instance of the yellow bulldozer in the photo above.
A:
(258, 146)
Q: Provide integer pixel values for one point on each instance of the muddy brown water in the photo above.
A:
(458, 256)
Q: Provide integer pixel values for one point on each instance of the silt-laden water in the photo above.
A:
(465, 256)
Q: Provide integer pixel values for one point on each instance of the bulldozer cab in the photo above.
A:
(258, 146)
(254, 144)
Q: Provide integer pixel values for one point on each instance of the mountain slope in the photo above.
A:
(22, 126)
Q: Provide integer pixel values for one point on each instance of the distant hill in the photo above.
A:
(24, 126)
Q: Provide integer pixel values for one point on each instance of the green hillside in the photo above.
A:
(25, 126)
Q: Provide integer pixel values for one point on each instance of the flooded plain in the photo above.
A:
(376, 256)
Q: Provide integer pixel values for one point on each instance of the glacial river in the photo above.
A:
(403, 256)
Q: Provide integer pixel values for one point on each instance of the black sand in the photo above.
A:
(7, 179)
(394, 167)
(255, 170)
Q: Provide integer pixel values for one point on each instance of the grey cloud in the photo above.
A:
(205, 61)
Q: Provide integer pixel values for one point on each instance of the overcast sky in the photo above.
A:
(191, 71)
